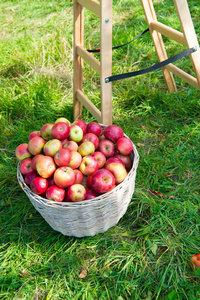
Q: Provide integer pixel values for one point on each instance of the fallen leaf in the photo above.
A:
(140, 145)
(163, 139)
(24, 273)
(157, 193)
(83, 273)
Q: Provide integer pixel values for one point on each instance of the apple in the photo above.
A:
(25, 166)
(51, 147)
(86, 148)
(55, 193)
(76, 192)
(51, 180)
(71, 145)
(39, 185)
(33, 134)
(45, 131)
(118, 171)
(79, 176)
(62, 119)
(30, 176)
(62, 157)
(36, 144)
(90, 194)
(113, 159)
(88, 182)
(60, 130)
(91, 137)
(81, 124)
(75, 161)
(102, 181)
(22, 152)
(45, 166)
(67, 199)
(113, 133)
(88, 165)
(126, 159)
(34, 161)
(64, 177)
(64, 141)
(76, 133)
(195, 261)
(95, 128)
(100, 157)
(107, 147)
(124, 146)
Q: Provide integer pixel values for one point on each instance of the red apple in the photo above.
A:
(45, 166)
(118, 171)
(34, 161)
(30, 176)
(79, 176)
(124, 146)
(95, 128)
(76, 133)
(71, 145)
(51, 147)
(107, 147)
(89, 179)
(51, 180)
(55, 193)
(39, 185)
(126, 159)
(45, 131)
(60, 130)
(62, 157)
(113, 159)
(75, 161)
(64, 141)
(102, 181)
(86, 148)
(64, 177)
(100, 157)
(76, 192)
(195, 261)
(62, 119)
(113, 132)
(88, 165)
(33, 134)
(36, 144)
(91, 137)
(25, 166)
(81, 124)
(90, 194)
(22, 152)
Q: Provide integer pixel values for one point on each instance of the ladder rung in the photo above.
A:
(183, 75)
(89, 58)
(169, 32)
(92, 5)
(89, 105)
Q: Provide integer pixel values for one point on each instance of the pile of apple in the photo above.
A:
(59, 158)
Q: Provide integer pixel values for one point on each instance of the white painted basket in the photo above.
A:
(88, 217)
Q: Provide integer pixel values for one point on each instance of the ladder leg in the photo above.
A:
(106, 60)
(158, 43)
(78, 62)
(184, 16)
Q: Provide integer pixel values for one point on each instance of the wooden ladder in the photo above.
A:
(103, 10)
(187, 38)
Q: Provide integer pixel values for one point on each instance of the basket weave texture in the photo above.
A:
(88, 217)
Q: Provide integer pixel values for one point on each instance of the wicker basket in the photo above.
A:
(88, 217)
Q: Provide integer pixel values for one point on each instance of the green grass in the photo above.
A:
(147, 254)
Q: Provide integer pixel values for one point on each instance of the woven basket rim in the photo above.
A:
(99, 199)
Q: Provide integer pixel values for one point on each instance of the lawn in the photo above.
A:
(147, 254)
